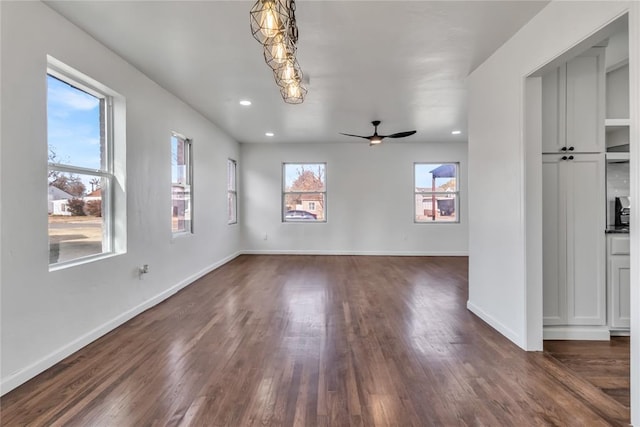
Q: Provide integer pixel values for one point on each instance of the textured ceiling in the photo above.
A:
(400, 62)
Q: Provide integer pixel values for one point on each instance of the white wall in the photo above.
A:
(497, 161)
(48, 315)
(369, 199)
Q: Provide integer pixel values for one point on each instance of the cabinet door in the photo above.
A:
(620, 288)
(554, 246)
(554, 89)
(586, 255)
(586, 102)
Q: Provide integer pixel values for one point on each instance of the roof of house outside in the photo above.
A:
(58, 194)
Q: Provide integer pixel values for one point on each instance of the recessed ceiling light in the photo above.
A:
(245, 102)
(456, 132)
(269, 133)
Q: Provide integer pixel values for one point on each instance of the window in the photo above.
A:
(304, 193)
(436, 192)
(80, 168)
(232, 193)
(181, 185)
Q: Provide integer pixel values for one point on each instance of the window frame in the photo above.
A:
(284, 194)
(232, 192)
(188, 154)
(456, 193)
(83, 83)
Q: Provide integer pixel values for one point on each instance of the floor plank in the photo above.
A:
(315, 341)
(605, 364)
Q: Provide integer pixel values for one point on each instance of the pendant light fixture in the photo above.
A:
(268, 19)
(273, 24)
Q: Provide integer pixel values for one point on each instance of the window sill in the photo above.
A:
(81, 261)
(181, 235)
(303, 221)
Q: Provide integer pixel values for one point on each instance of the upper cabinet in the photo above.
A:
(573, 101)
(617, 122)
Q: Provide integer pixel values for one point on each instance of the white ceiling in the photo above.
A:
(402, 62)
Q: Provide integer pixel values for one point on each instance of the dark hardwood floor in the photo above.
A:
(312, 340)
(605, 364)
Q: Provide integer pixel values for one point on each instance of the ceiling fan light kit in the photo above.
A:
(376, 139)
(273, 25)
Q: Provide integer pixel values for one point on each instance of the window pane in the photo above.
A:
(181, 201)
(74, 126)
(232, 207)
(179, 161)
(231, 175)
(304, 177)
(180, 208)
(304, 207)
(446, 207)
(76, 222)
(436, 177)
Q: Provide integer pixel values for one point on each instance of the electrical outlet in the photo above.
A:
(144, 269)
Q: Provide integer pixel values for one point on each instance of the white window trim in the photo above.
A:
(84, 83)
(188, 143)
(284, 193)
(430, 193)
(233, 163)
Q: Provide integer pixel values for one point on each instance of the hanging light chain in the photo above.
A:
(293, 27)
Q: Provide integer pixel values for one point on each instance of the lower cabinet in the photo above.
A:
(619, 282)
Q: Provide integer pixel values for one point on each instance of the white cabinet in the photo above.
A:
(573, 105)
(617, 134)
(574, 273)
(619, 281)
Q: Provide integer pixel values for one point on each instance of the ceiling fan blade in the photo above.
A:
(401, 134)
(357, 136)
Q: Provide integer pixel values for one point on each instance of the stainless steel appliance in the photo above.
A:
(622, 211)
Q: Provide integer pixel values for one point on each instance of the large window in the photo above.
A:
(181, 185)
(436, 192)
(304, 193)
(80, 169)
(232, 193)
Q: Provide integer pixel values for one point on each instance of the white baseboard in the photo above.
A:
(22, 376)
(355, 253)
(497, 325)
(582, 333)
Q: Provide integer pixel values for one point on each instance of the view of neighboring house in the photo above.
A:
(445, 204)
(181, 205)
(94, 195)
(311, 202)
(57, 200)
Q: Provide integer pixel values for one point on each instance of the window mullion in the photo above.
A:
(79, 170)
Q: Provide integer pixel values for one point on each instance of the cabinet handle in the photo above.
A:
(563, 149)
(570, 148)
(570, 157)
(563, 158)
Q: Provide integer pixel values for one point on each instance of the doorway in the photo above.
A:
(570, 324)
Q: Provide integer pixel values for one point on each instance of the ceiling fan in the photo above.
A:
(377, 139)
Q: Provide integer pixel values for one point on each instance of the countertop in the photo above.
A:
(617, 229)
